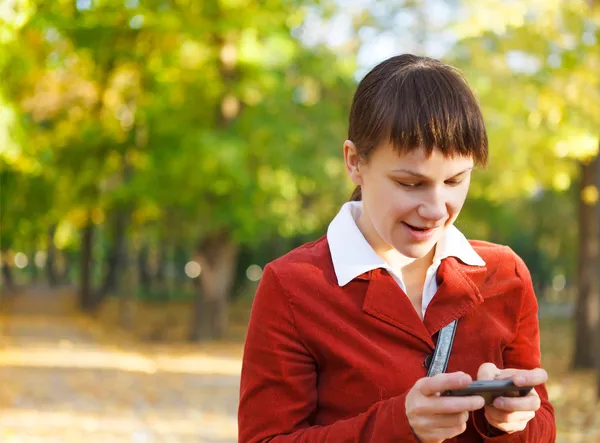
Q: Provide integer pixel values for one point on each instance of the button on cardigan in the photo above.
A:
(324, 363)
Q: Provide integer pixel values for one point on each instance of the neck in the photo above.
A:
(417, 270)
(405, 266)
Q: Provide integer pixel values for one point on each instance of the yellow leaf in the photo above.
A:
(561, 181)
(589, 195)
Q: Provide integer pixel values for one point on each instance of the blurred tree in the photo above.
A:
(597, 274)
(60, 107)
(207, 127)
(186, 123)
(595, 5)
(588, 308)
(254, 161)
(546, 55)
(540, 230)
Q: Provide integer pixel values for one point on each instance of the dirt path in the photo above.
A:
(60, 384)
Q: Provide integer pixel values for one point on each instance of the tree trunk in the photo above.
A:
(218, 258)
(128, 286)
(51, 258)
(218, 254)
(145, 277)
(594, 4)
(34, 269)
(115, 258)
(597, 266)
(66, 267)
(161, 267)
(87, 298)
(7, 276)
(586, 314)
(180, 260)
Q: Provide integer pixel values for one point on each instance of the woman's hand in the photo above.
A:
(434, 419)
(512, 414)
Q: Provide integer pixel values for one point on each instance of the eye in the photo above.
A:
(454, 182)
(408, 185)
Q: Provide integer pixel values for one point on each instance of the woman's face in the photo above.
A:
(408, 199)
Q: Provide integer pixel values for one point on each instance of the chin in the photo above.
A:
(415, 251)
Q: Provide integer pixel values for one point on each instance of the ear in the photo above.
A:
(352, 162)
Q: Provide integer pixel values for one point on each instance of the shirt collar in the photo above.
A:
(352, 255)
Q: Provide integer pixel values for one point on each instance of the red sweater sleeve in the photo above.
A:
(524, 353)
(278, 392)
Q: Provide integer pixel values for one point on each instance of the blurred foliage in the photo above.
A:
(204, 117)
(535, 68)
(94, 90)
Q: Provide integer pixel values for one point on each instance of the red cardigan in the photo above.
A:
(324, 363)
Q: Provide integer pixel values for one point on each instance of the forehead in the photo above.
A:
(418, 159)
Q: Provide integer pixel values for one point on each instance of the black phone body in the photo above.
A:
(490, 389)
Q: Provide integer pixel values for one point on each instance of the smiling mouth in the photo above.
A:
(419, 229)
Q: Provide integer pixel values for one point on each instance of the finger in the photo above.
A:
(534, 377)
(453, 405)
(498, 416)
(440, 421)
(487, 371)
(440, 434)
(531, 402)
(524, 377)
(508, 426)
(442, 382)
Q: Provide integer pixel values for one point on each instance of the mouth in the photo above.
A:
(420, 228)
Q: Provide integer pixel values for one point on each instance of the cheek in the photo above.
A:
(386, 213)
(397, 209)
(455, 206)
(399, 205)
(457, 200)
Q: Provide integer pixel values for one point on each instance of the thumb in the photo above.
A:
(487, 371)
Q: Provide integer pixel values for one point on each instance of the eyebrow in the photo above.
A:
(416, 174)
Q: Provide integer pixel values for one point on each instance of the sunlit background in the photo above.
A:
(156, 154)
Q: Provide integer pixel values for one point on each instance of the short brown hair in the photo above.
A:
(416, 102)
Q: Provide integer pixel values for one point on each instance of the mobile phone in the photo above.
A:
(490, 390)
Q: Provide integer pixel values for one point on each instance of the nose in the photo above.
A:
(434, 205)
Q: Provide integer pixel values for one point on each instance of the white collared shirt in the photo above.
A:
(352, 255)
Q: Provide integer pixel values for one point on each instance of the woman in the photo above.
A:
(342, 328)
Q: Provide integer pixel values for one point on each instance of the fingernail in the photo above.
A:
(499, 403)
(521, 380)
